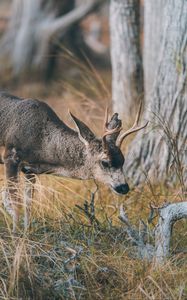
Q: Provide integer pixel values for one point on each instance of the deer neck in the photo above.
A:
(68, 155)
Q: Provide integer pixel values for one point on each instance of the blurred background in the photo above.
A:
(57, 51)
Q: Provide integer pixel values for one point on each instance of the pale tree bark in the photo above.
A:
(127, 71)
(153, 33)
(162, 152)
(160, 249)
(37, 26)
(168, 215)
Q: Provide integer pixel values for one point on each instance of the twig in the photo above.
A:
(89, 209)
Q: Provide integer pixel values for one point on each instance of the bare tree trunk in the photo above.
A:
(162, 151)
(153, 33)
(127, 71)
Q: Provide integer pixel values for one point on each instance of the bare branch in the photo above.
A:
(132, 233)
(168, 215)
(63, 23)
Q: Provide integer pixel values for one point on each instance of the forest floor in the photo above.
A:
(67, 256)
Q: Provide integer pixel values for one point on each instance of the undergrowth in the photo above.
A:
(68, 255)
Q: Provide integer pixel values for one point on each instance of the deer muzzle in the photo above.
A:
(121, 189)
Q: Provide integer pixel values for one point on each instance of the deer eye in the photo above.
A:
(105, 164)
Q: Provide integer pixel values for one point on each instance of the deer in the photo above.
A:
(34, 140)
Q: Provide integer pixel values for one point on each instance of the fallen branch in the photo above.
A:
(168, 215)
(138, 237)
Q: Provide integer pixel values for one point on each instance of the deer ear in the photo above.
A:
(85, 134)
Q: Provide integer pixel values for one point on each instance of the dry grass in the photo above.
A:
(33, 265)
(64, 255)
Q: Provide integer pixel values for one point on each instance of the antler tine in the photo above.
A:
(137, 118)
(108, 131)
(111, 131)
(105, 119)
(134, 128)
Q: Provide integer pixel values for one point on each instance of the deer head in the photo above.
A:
(104, 158)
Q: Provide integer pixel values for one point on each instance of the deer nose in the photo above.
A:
(122, 188)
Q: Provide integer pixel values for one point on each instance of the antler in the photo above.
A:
(108, 131)
(134, 128)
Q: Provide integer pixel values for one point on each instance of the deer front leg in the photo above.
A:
(28, 195)
(11, 197)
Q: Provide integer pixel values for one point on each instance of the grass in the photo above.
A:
(64, 255)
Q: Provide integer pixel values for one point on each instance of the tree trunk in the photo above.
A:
(153, 33)
(127, 71)
(162, 151)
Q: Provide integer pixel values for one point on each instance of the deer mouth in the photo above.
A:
(121, 189)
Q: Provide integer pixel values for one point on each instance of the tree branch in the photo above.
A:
(168, 215)
(138, 237)
(63, 23)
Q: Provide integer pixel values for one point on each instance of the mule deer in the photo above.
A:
(36, 141)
